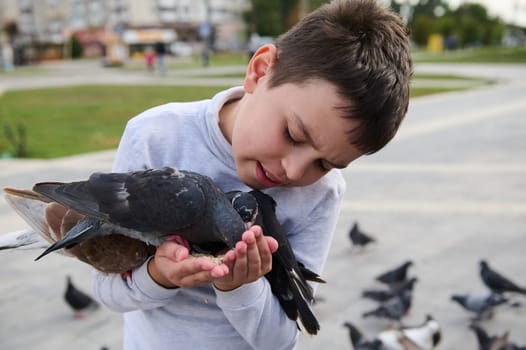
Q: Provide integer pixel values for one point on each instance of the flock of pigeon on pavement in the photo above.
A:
(394, 302)
(122, 214)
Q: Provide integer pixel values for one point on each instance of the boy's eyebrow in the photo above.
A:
(305, 131)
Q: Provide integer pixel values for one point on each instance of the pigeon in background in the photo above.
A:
(148, 205)
(482, 304)
(288, 278)
(358, 237)
(497, 282)
(395, 276)
(487, 342)
(382, 295)
(359, 341)
(423, 337)
(393, 309)
(80, 302)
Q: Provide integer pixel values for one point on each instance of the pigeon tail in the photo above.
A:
(310, 275)
(306, 319)
(85, 229)
(303, 296)
(22, 239)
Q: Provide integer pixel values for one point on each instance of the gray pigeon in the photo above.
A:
(482, 304)
(382, 295)
(395, 276)
(149, 206)
(393, 309)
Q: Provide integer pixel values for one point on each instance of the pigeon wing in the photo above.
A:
(72, 195)
(151, 200)
(33, 208)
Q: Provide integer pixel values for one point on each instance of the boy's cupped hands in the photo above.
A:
(173, 266)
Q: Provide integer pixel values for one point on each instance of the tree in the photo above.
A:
(274, 17)
(470, 23)
(75, 46)
(11, 30)
(423, 26)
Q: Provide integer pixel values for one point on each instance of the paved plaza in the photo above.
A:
(447, 192)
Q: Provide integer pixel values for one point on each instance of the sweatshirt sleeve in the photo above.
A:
(252, 309)
(139, 291)
(257, 316)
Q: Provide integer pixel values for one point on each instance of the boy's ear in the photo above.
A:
(259, 65)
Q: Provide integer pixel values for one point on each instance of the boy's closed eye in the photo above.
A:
(320, 163)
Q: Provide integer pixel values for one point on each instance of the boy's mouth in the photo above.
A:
(266, 178)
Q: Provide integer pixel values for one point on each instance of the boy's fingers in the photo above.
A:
(195, 279)
(181, 253)
(172, 251)
(240, 266)
(219, 271)
(272, 244)
(265, 254)
(198, 271)
(229, 257)
(253, 254)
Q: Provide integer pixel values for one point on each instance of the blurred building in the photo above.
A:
(44, 27)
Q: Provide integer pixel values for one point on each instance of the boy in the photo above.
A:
(331, 89)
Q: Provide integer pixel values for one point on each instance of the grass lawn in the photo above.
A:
(68, 121)
(73, 120)
(474, 55)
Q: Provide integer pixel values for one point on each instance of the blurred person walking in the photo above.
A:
(149, 59)
(7, 57)
(160, 51)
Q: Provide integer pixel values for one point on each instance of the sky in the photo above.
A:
(511, 11)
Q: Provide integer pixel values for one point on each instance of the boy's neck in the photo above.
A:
(227, 117)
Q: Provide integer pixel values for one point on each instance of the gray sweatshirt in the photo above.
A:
(187, 136)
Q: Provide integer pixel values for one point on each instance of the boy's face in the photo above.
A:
(290, 135)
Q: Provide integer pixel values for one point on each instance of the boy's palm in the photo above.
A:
(172, 266)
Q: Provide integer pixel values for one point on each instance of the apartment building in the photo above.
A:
(49, 23)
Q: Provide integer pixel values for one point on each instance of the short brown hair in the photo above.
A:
(363, 49)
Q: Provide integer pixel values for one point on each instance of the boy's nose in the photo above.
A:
(295, 167)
